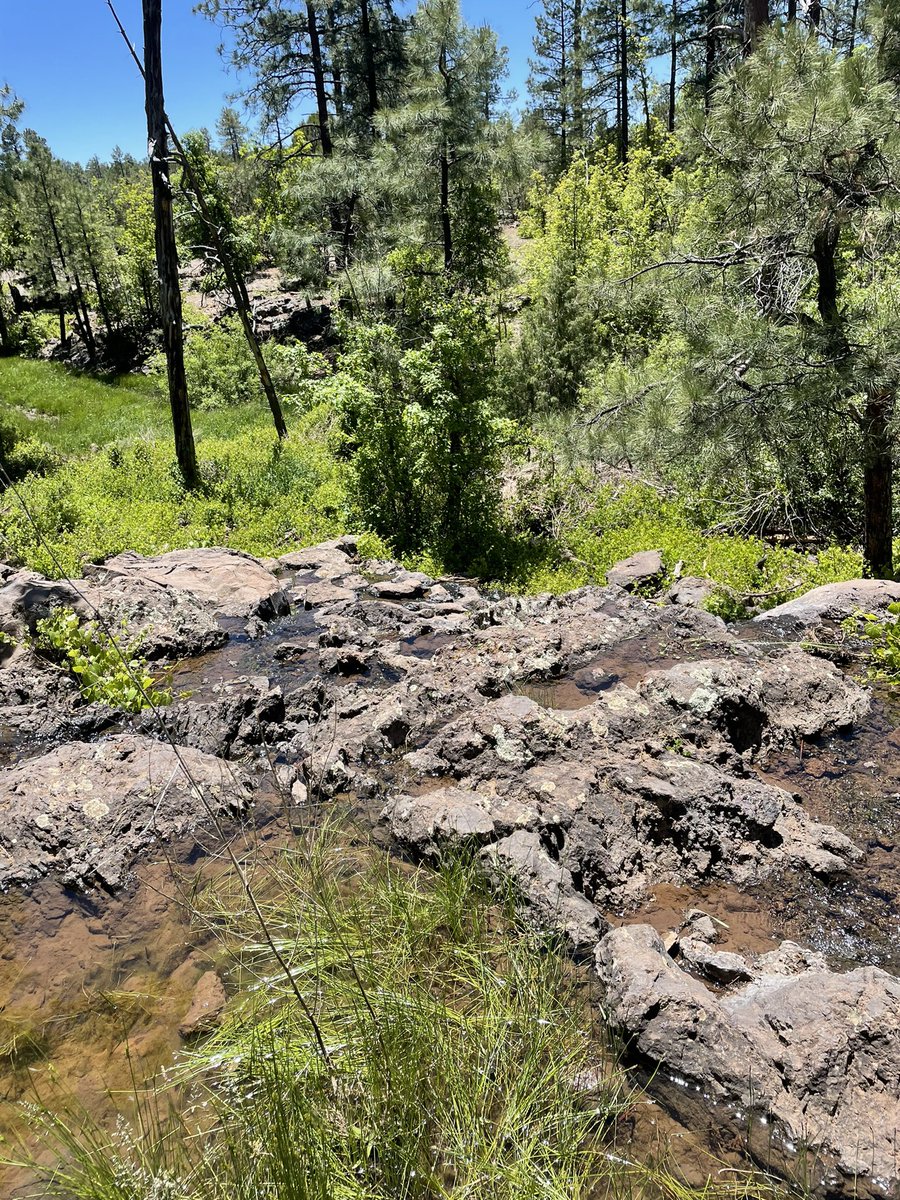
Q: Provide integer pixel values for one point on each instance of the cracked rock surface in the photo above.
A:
(591, 749)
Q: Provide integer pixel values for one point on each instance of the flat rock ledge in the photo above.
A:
(803, 1055)
(86, 810)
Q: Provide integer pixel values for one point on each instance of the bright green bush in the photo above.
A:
(421, 432)
(883, 642)
(106, 670)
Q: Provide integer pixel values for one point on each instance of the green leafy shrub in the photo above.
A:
(20, 456)
(257, 495)
(421, 433)
(31, 332)
(883, 638)
(105, 671)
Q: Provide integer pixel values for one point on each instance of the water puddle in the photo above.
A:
(93, 987)
(628, 663)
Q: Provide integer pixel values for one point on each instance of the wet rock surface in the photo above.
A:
(814, 1051)
(596, 750)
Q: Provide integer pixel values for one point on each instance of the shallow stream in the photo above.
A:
(93, 987)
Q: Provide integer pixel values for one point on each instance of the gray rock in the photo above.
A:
(833, 602)
(86, 810)
(640, 570)
(231, 583)
(791, 695)
(546, 888)
(690, 591)
(719, 966)
(818, 1053)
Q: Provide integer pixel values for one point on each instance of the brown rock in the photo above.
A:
(207, 1006)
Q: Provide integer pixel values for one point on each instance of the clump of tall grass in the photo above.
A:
(440, 1051)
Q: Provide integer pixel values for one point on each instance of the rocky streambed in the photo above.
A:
(706, 814)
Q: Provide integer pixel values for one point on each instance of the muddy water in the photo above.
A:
(93, 988)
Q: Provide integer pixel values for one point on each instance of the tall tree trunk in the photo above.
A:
(369, 55)
(5, 339)
(854, 17)
(792, 10)
(60, 306)
(756, 17)
(166, 250)
(233, 277)
(81, 307)
(319, 81)
(824, 252)
(577, 75)
(878, 484)
(81, 310)
(814, 14)
(95, 272)
(623, 71)
(673, 67)
(337, 81)
(446, 228)
(563, 90)
(711, 52)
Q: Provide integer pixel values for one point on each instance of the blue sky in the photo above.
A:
(66, 60)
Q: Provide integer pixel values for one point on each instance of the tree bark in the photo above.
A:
(446, 227)
(792, 10)
(337, 81)
(81, 309)
(878, 483)
(563, 90)
(95, 273)
(577, 75)
(235, 280)
(673, 67)
(814, 15)
(166, 250)
(711, 52)
(369, 53)
(444, 163)
(756, 16)
(5, 341)
(854, 17)
(319, 81)
(824, 251)
(623, 68)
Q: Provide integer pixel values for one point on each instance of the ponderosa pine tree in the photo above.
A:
(232, 132)
(801, 154)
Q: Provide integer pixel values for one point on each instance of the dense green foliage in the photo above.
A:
(106, 669)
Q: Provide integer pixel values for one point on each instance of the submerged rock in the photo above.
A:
(207, 1006)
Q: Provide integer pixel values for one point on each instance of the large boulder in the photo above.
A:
(85, 810)
(816, 1052)
(833, 602)
(639, 570)
(229, 582)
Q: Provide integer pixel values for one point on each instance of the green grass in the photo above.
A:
(454, 1041)
(73, 413)
(111, 484)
